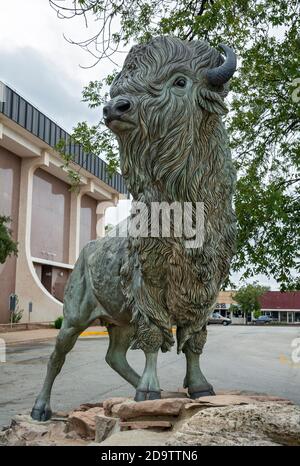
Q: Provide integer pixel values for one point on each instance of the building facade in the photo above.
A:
(50, 222)
(282, 307)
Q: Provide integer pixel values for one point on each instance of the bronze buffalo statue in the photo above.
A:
(166, 110)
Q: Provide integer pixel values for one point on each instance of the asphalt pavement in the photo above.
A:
(257, 359)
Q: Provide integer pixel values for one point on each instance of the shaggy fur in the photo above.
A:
(176, 151)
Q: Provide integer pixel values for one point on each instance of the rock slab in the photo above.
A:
(104, 427)
(24, 431)
(258, 424)
(225, 419)
(111, 402)
(163, 407)
(84, 422)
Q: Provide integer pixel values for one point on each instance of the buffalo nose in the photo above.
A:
(114, 110)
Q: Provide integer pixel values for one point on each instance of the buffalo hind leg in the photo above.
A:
(194, 380)
(65, 341)
(119, 342)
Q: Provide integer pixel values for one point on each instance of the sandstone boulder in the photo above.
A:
(225, 419)
(86, 406)
(104, 427)
(25, 431)
(84, 422)
(108, 404)
(262, 423)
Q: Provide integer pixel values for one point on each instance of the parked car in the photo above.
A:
(262, 320)
(217, 318)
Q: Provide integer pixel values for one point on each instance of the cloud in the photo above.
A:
(48, 87)
(262, 280)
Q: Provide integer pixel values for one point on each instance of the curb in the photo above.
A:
(44, 339)
(86, 334)
(101, 333)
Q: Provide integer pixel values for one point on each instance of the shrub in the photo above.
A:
(58, 322)
(16, 315)
(257, 314)
(7, 245)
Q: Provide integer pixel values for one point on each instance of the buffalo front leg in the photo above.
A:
(148, 387)
(194, 380)
(119, 342)
(150, 339)
(65, 341)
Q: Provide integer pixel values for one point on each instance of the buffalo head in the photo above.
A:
(168, 93)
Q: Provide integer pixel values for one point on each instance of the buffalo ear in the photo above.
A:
(212, 102)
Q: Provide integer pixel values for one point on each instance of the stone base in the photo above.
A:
(231, 418)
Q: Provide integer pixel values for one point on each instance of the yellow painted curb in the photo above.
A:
(89, 334)
(104, 333)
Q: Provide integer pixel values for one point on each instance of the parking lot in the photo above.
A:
(251, 358)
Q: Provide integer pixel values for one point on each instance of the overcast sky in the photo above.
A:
(41, 65)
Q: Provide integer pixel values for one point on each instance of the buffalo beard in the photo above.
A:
(176, 155)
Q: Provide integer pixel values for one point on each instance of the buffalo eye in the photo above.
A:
(180, 82)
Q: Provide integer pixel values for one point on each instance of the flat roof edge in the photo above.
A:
(22, 112)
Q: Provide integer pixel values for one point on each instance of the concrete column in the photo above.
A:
(100, 211)
(28, 285)
(74, 237)
(75, 210)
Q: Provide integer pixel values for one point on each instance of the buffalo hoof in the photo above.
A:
(41, 412)
(142, 395)
(200, 393)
